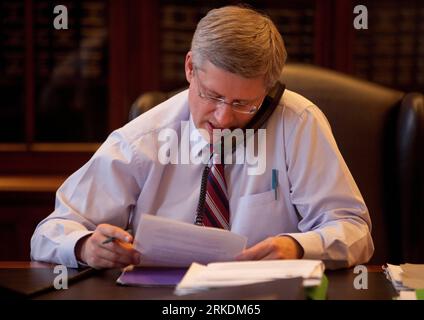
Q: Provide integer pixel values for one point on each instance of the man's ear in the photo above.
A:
(189, 66)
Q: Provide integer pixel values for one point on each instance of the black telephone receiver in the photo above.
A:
(265, 111)
(268, 106)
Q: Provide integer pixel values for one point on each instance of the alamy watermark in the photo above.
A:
(61, 20)
(233, 146)
(361, 280)
(361, 20)
(60, 282)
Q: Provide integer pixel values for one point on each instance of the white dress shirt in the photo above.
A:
(318, 202)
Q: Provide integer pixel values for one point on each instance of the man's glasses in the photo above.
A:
(245, 108)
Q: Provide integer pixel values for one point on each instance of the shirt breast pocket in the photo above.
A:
(257, 199)
(258, 216)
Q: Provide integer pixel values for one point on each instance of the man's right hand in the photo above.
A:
(115, 254)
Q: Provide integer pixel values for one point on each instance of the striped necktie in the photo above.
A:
(217, 211)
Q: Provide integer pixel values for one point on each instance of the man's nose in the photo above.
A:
(223, 115)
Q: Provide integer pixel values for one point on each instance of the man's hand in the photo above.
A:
(272, 248)
(115, 254)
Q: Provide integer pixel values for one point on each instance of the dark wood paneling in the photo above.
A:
(118, 63)
(323, 33)
(342, 42)
(29, 73)
(144, 47)
(45, 163)
(20, 212)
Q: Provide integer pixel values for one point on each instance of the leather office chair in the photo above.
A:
(410, 145)
(380, 134)
(148, 100)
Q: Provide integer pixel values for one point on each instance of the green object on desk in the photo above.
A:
(420, 294)
(318, 292)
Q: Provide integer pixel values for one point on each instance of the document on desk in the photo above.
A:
(225, 274)
(406, 276)
(170, 243)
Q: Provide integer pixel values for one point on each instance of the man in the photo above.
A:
(304, 205)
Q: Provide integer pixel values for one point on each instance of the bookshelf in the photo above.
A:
(70, 73)
(391, 51)
(12, 81)
(77, 85)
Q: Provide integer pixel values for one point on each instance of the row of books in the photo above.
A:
(390, 50)
(407, 279)
(84, 39)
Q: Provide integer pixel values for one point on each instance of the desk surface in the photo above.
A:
(102, 285)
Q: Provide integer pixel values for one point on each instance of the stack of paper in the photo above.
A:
(407, 278)
(214, 275)
(413, 275)
(393, 274)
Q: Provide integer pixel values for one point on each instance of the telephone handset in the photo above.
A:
(267, 108)
(231, 139)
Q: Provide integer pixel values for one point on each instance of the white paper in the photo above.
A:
(407, 295)
(166, 242)
(394, 274)
(225, 274)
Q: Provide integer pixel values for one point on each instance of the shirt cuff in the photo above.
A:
(67, 254)
(311, 243)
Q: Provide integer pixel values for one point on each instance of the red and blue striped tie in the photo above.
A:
(217, 210)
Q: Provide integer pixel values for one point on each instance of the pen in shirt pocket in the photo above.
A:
(274, 182)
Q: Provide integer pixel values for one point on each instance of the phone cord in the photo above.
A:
(202, 197)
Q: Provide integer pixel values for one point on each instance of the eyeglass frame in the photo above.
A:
(216, 100)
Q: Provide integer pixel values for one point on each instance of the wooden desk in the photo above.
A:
(101, 285)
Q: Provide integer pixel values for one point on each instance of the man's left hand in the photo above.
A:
(272, 248)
